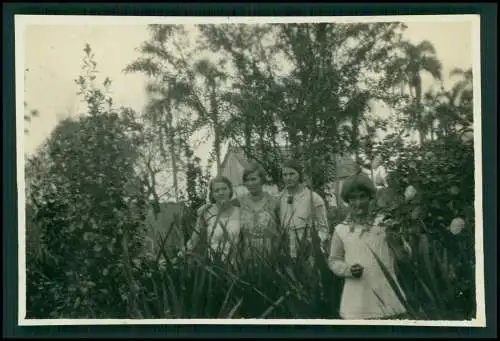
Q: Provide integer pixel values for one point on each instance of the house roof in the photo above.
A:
(238, 154)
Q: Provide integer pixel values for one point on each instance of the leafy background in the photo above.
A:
(97, 183)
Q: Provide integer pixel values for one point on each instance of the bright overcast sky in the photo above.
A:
(53, 56)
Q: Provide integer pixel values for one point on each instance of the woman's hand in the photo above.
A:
(356, 271)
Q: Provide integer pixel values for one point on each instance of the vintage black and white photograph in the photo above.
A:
(249, 169)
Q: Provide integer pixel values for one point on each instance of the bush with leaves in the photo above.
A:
(431, 196)
(84, 207)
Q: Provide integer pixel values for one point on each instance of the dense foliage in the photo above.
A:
(430, 202)
(94, 180)
(83, 207)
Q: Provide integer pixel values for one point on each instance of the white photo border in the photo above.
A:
(21, 21)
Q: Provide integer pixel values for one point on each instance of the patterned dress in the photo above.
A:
(258, 220)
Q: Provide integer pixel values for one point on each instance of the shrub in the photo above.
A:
(440, 278)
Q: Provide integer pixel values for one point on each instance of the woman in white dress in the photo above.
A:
(218, 223)
(367, 293)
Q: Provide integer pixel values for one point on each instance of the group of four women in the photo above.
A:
(351, 247)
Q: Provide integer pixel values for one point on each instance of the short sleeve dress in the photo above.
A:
(258, 220)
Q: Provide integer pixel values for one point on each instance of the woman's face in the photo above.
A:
(220, 192)
(291, 177)
(359, 202)
(253, 183)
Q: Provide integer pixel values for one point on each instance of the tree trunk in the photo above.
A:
(355, 137)
(217, 148)
(418, 109)
(248, 133)
(216, 125)
(337, 182)
(171, 145)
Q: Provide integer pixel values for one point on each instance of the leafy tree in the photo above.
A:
(462, 97)
(406, 69)
(84, 207)
(192, 82)
(306, 84)
(254, 97)
(463, 88)
(163, 141)
(448, 112)
(443, 258)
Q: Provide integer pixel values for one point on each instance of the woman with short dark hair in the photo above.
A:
(367, 293)
(301, 208)
(258, 210)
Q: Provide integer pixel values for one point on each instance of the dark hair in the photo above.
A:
(252, 168)
(294, 165)
(358, 182)
(220, 179)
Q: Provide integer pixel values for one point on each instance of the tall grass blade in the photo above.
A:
(130, 279)
(394, 285)
(429, 294)
(166, 308)
(174, 294)
(275, 305)
(163, 240)
(226, 300)
(156, 295)
(431, 273)
(235, 308)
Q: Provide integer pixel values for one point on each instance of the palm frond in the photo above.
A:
(426, 47)
(432, 65)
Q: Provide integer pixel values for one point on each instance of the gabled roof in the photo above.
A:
(238, 154)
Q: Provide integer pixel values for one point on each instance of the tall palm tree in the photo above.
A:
(168, 64)
(452, 109)
(463, 87)
(161, 111)
(408, 69)
(461, 96)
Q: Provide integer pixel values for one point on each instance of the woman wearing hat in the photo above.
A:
(366, 294)
(299, 208)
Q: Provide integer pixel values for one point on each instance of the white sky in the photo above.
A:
(53, 54)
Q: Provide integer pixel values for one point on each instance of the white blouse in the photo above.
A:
(305, 207)
(229, 225)
(223, 232)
